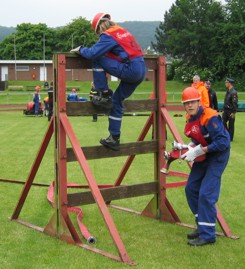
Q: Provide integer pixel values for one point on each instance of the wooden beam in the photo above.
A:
(74, 61)
(113, 193)
(87, 108)
(97, 152)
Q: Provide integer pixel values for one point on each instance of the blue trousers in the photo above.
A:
(203, 189)
(130, 73)
(36, 107)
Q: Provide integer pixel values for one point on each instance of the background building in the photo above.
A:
(39, 70)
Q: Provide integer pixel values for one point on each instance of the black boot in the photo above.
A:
(95, 117)
(102, 99)
(198, 242)
(193, 235)
(112, 142)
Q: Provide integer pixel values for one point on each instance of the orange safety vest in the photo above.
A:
(203, 93)
(193, 128)
(126, 40)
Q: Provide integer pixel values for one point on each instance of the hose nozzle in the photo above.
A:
(91, 240)
(179, 146)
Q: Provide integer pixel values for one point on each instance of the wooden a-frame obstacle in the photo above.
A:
(159, 207)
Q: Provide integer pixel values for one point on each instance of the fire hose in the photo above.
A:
(178, 149)
(78, 211)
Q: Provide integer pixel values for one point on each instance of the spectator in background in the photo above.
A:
(46, 85)
(82, 99)
(213, 103)
(95, 116)
(199, 85)
(46, 108)
(72, 97)
(37, 99)
(50, 100)
(230, 107)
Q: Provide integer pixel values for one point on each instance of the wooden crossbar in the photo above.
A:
(113, 193)
(87, 108)
(97, 152)
(75, 62)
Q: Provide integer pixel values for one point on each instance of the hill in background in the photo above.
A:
(144, 31)
(6, 31)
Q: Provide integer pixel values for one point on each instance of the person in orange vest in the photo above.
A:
(199, 85)
(209, 137)
(46, 106)
(118, 54)
(36, 99)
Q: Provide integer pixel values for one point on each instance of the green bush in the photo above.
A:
(185, 73)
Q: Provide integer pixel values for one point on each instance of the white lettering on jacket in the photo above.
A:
(121, 36)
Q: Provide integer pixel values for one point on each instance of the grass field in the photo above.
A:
(150, 243)
(144, 90)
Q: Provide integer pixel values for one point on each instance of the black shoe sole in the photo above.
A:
(115, 148)
(195, 243)
(102, 103)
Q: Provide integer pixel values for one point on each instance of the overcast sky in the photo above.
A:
(59, 13)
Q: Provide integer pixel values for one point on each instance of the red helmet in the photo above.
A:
(190, 94)
(97, 18)
(38, 88)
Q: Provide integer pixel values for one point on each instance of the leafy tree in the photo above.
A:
(78, 32)
(28, 42)
(234, 38)
(204, 36)
(189, 31)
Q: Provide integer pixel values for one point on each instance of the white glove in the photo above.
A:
(76, 50)
(192, 153)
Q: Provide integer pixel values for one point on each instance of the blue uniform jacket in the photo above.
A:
(105, 44)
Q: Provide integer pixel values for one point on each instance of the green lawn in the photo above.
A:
(150, 243)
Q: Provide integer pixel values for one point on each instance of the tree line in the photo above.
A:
(36, 41)
(204, 37)
(201, 37)
(29, 41)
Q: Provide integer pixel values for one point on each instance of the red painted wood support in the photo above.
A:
(33, 171)
(64, 129)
